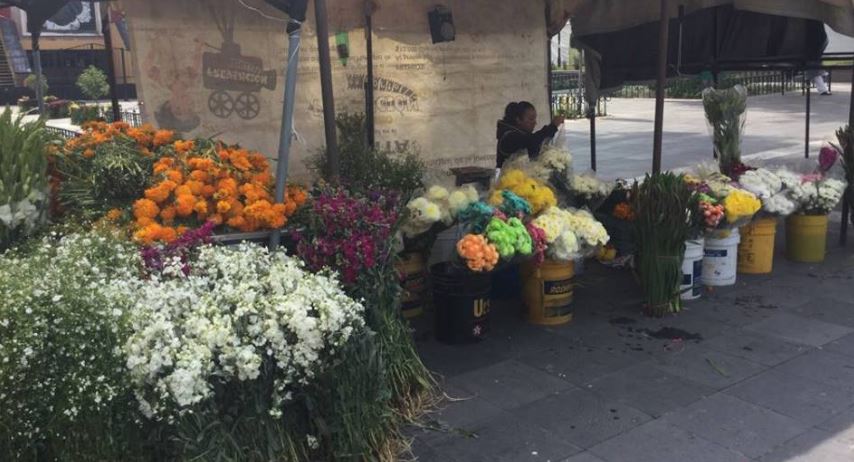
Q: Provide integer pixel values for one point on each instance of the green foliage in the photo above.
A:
(23, 178)
(93, 83)
(63, 392)
(365, 169)
(113, 176)
(725, 113)
(83, 113)
(663, 205)
(32, 81)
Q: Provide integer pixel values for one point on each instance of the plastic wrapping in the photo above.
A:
(726, 114)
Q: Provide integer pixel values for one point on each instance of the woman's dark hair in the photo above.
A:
(515, 111)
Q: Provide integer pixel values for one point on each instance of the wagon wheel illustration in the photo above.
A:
(247, 105)
(221, 104)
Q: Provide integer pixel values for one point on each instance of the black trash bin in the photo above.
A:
(461, 303)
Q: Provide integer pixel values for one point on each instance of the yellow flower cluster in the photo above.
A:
(537, 193)
(740, 205)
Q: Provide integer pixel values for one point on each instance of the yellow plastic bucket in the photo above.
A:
(547, 292)
(756, 250)
(413, 281)
(806, 238)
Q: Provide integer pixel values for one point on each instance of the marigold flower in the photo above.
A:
(163, 137)
(175, 176)
(89, 153)
(145, 208)
(168, 213)
(185, 204)
(183, 190)
(199, 175)
(223, 207)
(182, 146)
(114, 214)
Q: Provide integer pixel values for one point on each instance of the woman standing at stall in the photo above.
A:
(515, 132)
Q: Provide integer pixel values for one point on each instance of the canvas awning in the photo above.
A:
(603, 16)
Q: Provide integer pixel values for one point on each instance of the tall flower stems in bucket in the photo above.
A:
(663, 205)
(725, 114)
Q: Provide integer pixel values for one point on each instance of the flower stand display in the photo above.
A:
(413, 282)
(547, 291)
(720, 260)
(756, 249)
(692, 270)
(806, 238)
(461, 303)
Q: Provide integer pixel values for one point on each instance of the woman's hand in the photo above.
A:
(558, 120)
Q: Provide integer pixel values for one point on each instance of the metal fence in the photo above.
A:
(133, 118)
(756, 82)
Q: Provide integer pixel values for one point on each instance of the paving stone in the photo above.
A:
(453, 360)
(829, 309)
(580, 417)
(577, 364)
(709, 367)
(824, 366)
(799, 329)
(756, 347)
(509, 439)
(649, 389)
(736, 424)
(659, 442)
(583, 457)
(510, 384)
(812, 446)
(841, 426)
(842, 345)
(804, 400)
(422, 452)
(461, 408)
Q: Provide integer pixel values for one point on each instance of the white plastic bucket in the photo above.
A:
(445, 247)
(692, 270)
(721, 260)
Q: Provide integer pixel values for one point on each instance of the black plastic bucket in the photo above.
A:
(461, 303)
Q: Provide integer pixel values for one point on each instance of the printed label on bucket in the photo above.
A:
(561, 287)
(481, 308)
(716, 253)
(698, 278)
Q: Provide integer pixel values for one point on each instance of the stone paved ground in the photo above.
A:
(775, 131)
(771, 379)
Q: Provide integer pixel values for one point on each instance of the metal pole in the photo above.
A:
(286, 131)
(663, 31)
(593, 139)
(111, 65)
(326, 89)
(807, 131)
(369, 81)
(37, 64)
(846, 203)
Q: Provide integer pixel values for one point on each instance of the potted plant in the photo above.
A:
(806, 230)
(664, 208)
(756, 249)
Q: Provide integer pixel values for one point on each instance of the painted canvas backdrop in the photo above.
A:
(216, 68)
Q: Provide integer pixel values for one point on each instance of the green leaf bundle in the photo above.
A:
(665, 213)
(725, 114)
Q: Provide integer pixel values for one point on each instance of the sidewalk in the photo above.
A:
(774, 132)
(763, 371)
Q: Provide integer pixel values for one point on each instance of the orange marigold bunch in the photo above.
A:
(228, 186)
(94, 134)
(478, 253)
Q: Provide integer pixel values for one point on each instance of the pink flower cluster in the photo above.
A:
(348, 233)
(538, 238)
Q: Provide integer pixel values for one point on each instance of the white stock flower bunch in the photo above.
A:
(819, 196)
(438, 204)
(772, 189)
(589, 186)
(570, 233)
(241, 313)
(62, 321)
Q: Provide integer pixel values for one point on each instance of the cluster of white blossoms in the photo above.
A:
(570, 233)
(818, 197)
(589, 186)
(63, 316)
(438, 204)
(772, 189)
(240, 312)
